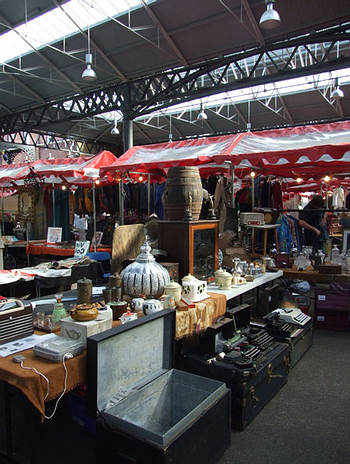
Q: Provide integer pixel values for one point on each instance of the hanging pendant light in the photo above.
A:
(202, 115)
(88, 73)
(337, 92)
(115, 130)
(270, 18)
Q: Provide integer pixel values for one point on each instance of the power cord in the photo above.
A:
(65, 356)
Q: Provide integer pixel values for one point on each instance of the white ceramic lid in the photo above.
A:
(172, 285)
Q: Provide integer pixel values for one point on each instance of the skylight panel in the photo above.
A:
(55, 25)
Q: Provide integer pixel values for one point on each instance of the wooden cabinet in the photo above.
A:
(194, 245)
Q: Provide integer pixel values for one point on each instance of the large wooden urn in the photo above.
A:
(183, 191)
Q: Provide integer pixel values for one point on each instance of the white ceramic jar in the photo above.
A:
(223, 279)
(173, 289)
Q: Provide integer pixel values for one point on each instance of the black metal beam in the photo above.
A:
(54, 142)
(328, 49)
(176, 86)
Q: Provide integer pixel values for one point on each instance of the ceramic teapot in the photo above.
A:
(85, 312)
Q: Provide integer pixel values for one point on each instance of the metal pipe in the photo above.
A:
(53, 205)
(149, 194)
(94, 213)
(27, 234)
(233, 185)
(121, 200)
(2, 231)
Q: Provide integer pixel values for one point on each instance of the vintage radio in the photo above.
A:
(16, 320)
(252, 219)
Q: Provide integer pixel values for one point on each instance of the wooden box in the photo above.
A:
(173, 269)
(194, 245)
(329, 269)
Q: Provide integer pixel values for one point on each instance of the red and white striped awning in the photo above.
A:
(324, 146)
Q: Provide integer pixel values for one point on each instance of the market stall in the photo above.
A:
(55, 177)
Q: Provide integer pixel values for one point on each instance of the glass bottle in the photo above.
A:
(335, 255)
(273, 251)
(59, 311)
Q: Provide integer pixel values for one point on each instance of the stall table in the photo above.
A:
(63, 249)
(239, 290)
(17, 381)
(314, 276)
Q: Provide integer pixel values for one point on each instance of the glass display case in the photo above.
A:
(193, 244)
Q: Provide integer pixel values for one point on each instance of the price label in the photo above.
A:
(321, 297)
(81, 248)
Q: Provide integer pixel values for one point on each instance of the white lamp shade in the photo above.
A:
(270, 18)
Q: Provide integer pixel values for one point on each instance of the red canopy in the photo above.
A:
(325, 146)
(78, 171)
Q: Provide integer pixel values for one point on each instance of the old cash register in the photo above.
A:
(147, 411)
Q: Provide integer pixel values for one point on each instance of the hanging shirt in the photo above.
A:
(338, 200)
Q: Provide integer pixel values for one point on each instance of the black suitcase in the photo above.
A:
(254, 370)
(299, 339)
(251, 388)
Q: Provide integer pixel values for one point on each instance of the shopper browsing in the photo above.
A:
(313, 220)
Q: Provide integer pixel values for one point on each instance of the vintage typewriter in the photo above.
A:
(248, 359)
(299, 337)
(293, 316)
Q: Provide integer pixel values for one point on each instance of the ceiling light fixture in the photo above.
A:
(337, 92)
(202, 115)
(88, 73)
(270, 18)
(299, 180)
(115, 130)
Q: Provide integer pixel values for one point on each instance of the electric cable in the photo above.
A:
(66, 356)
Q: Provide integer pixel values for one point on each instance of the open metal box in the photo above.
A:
(147, 409)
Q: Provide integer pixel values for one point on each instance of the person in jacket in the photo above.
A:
(313, 220)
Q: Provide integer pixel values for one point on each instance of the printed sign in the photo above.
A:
(98, 239)
(81, 248)
(54, 235)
